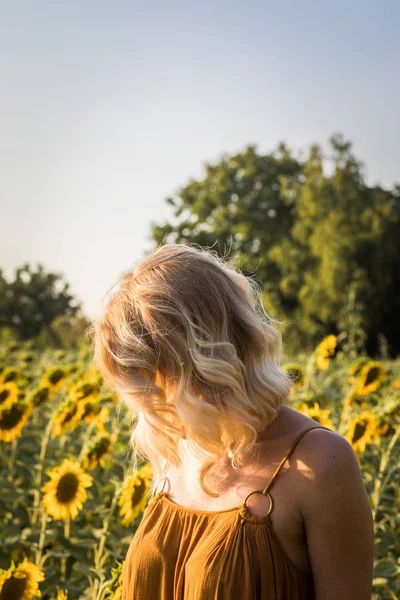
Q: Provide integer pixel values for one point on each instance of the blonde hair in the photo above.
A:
(190, 320)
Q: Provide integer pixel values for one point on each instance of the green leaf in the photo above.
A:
(385, 567)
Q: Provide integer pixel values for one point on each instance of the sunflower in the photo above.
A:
(102, 419)
(40, 395)
(325, 350)
(94, 374)
(65, 493)
(397, 384)
(114, 588)
(356, 367)
(133, 499)
(371, 377)
(55, 378)
(296, 373)
(86, 389)
(316, 413)
(13, 419)
(61, 594)
(28, 357)
(9, 393)
(96, 452)
(20, 583)
(110, 397)
(90, 410)
(364, 429)
(68, 416)
(10, 374)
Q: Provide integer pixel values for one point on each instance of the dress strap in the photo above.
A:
(274, 476)
(289, 452)
(163, 480)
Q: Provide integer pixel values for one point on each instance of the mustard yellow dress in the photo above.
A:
(180, 553)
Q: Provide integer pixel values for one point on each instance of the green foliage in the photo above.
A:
(85, 556)
(350, 321)
(312, 231)
(32, 301)
(64, 331)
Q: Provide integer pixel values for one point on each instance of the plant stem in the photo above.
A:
(309, 371)
(11, 463)
(98, 555)
(380, 481)
(67, 528)
(42, 538)
(39, 472)
(87, 438)
(102, 589)
(347, 409)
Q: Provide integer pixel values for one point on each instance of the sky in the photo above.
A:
(108, 108)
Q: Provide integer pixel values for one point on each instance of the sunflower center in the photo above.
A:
(41, 395)
(13, 589)
(90, 409)
(138, 492)
(11, 376)
(99, 449)
(56, 376)
(372, 375)
(296, 374)
(359, 430)
(69, 414)
(86, 390)
(67, 488)
(4, 394)
(10, 418)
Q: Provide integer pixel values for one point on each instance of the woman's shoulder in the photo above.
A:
(324, 457)
(335, 512)
(319, 446)
(318, 451)
(318, 441)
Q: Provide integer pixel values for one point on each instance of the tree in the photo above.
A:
(65, 331)
(32, 300)
(311, 230)
(238, 205)
(348, 232)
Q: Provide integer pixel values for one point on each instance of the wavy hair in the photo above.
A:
(185, 342)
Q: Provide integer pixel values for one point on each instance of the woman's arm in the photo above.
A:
(337, 518)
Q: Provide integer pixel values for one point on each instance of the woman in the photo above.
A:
(249, 498)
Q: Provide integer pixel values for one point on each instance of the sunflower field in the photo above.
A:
(70, 502)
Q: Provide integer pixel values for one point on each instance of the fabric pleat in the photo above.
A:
(181, 555)
(178, 553)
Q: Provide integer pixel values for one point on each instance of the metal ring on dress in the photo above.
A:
(156, 492)
(163, 485)
(264, 494)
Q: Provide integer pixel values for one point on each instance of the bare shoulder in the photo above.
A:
(331, 470)
(324, 448)
(324, 457)
(319, 445)
(336, 515)
(321, 456)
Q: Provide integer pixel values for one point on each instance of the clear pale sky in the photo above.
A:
(108, 107)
